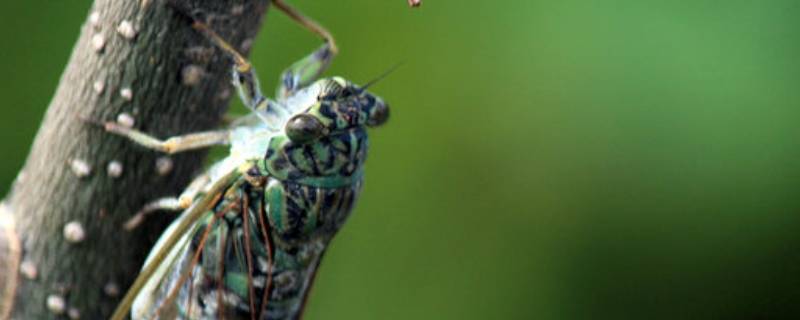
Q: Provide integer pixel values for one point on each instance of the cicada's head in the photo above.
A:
(324, 141)
(340, 106)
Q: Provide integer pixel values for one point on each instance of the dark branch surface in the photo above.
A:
(171, 81)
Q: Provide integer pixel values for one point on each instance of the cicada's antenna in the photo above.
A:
(381, 76)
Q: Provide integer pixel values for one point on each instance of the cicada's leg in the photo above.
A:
(297, 76)
(304, 72)
(244, 74)
(193, 190)
(307, 23)
(169, 204)
(307, 70)
(174, 144)
(183, 202)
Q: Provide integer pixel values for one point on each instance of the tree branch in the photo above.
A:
(62, 222)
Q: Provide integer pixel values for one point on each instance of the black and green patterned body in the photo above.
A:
(298, 222)
(255, 252)
(303, 209)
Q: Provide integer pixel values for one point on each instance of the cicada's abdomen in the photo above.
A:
(303, 219)
(300, 213)
(288, 225)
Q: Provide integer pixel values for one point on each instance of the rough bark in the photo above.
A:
(171, 80)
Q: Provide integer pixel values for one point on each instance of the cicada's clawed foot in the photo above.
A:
(168, 204)
(184, 201)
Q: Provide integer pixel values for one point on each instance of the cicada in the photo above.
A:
(257, 223)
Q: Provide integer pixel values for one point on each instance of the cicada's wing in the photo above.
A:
(170, 248)
(209, 273)
(154, 300)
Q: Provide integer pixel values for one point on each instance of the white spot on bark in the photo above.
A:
(192, 75)
(145, 3)
(99, 86)
(237, 10)
(56, 304)
(199, 54)
(126, 93)
(247, 44)
(126, 30)
(98, 42)
(94, 19)
(28, 269)
(114, 169)
(80, 168)
(224, 94)
(125, 120)
(164, 165)
(73, 232)
(73, 313)
(111, 289)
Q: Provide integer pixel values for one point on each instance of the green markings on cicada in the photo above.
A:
(331, 162)
(313, 197)
(323, 157)
(238, 282)
(277, 206)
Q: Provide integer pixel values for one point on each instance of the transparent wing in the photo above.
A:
(209, 273)
(170, 248)
(152, 299)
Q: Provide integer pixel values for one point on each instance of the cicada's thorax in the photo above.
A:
(312, 187)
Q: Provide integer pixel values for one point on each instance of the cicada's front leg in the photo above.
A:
(172, 145)
(244, 74)
(295, 77)
(307, 23)
(245, 80)
(307, 70)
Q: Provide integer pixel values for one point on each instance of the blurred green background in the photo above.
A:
(545, 159)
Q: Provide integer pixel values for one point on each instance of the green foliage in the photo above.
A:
(549, 160)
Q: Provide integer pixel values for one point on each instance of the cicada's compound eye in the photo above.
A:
(378, 114)
(304, 128)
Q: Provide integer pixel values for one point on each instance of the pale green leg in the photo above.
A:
(304, 72)
(171, 145)
(168, 204)
(245, 79)
(183, 202)
(297, 76)
(174, 144)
